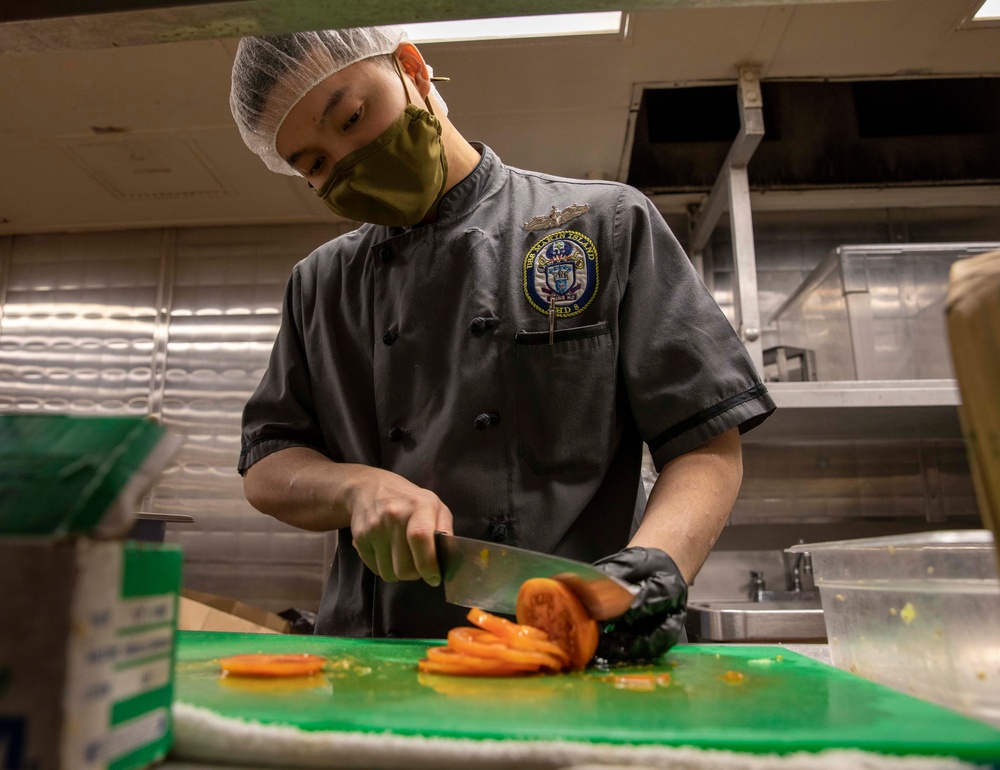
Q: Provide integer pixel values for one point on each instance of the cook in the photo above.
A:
(485, 355)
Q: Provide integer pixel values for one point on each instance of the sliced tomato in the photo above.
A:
(504, 628)
(478, 634)
(529, 643)
(466, 642)
(450, 656)
(517, 636)
(272, 664)
(445, 660)
(549, 605)
(555, 633)
(497, 668)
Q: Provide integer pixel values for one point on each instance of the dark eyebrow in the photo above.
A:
(335, 98)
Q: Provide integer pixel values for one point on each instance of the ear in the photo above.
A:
(414, 67)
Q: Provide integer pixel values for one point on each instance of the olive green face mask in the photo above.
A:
(395, 180)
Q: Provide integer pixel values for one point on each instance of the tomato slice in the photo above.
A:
(555, 633)
(504, 628)
(445, 660)
(452, 657)
(549, 605)
(464, 641)
(517, 636)
(478, 635)
(497, 668)
(264, 664)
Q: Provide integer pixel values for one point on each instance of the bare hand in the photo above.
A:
(393, 523)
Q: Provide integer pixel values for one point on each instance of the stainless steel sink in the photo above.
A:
(768, 621)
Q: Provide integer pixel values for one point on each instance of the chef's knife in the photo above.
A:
(477, 573)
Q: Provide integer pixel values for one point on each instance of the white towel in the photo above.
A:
(200, 734)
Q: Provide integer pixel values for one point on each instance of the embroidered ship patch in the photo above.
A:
(561, 266)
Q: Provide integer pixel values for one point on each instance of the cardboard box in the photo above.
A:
(973, 315)
(87, 625)
(207, 612)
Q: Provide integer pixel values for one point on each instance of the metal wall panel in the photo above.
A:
(224, 313)
(78, 322)
(176, 325)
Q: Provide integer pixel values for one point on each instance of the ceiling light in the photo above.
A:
(988, 10)
(519, 27)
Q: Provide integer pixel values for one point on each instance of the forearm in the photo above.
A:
(691, 502)
(302, 487)
(392, 521)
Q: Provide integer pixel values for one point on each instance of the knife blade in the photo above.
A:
(478, 573)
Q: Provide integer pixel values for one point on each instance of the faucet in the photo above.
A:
(800, 576)
(757, 586)
(798, 581)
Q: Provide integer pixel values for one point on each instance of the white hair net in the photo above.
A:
(272, 73)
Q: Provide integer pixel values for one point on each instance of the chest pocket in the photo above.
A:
(565, 398)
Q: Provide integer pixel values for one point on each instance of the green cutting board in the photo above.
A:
(739, 698)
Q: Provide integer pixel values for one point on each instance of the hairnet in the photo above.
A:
(272, 73)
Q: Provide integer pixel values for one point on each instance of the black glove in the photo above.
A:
(653, 624)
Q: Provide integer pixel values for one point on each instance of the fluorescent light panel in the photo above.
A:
(988, 10)
(518, 27)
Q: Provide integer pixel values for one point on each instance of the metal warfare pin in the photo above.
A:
(556, 217)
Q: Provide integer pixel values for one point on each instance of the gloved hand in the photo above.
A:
(653, 624)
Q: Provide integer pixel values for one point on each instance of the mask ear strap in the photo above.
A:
(402, 79)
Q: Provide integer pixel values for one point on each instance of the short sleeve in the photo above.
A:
(688, 375)
(280, 413)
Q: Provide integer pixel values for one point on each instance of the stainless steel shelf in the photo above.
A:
(857, 393)
(888, 409)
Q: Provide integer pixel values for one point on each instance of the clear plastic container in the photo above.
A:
(875, 312)
(919, 613)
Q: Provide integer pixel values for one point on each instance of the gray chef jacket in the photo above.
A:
(426, 351)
